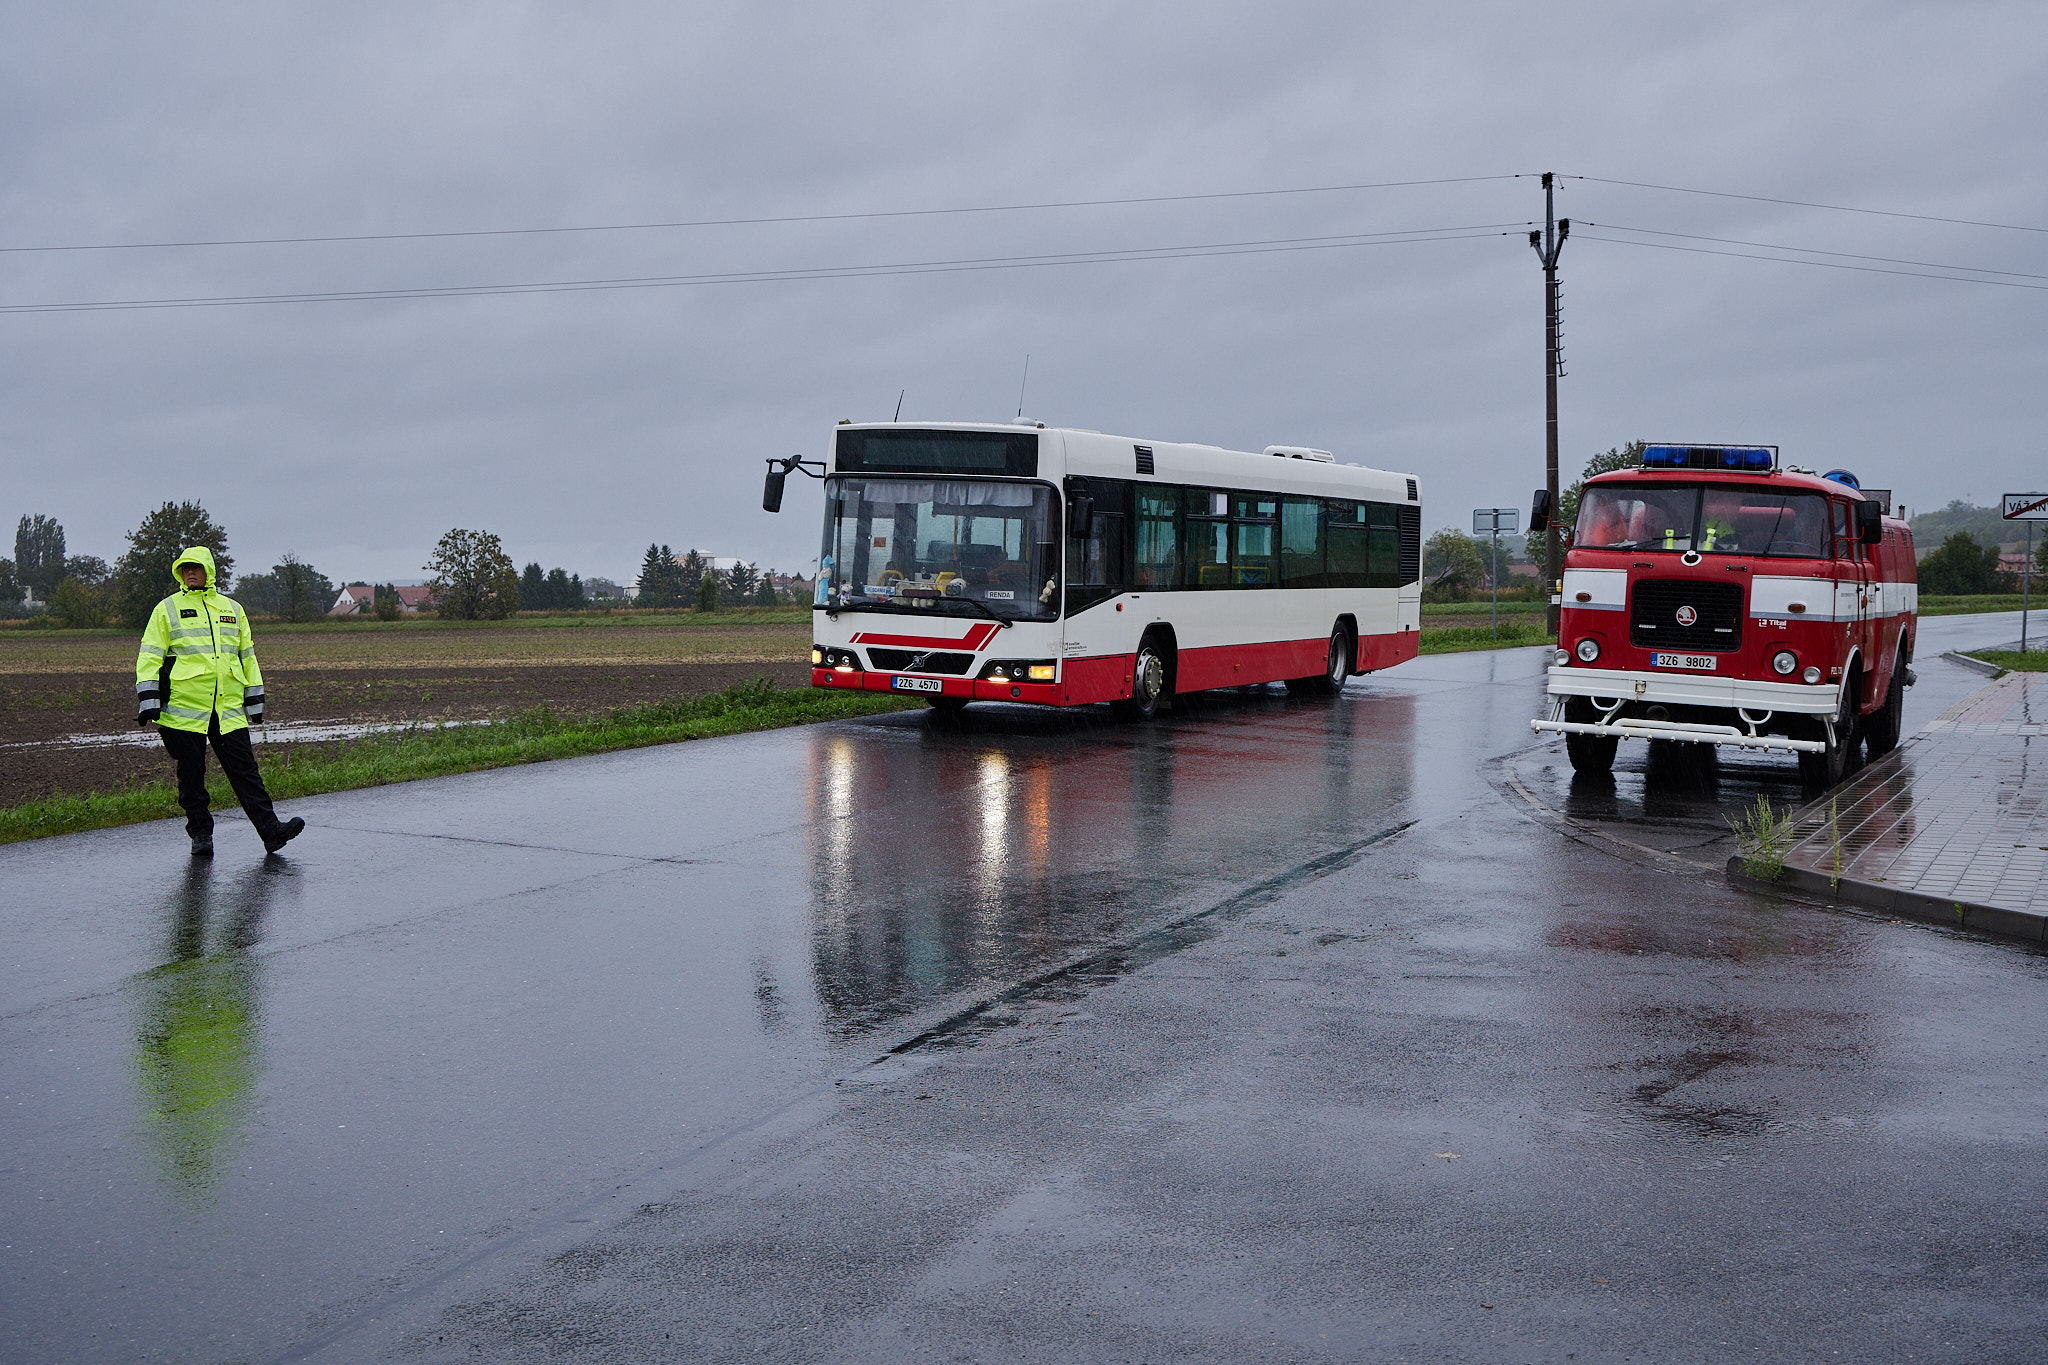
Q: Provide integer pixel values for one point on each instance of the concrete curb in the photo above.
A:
(1984, 919)
(1974, 665)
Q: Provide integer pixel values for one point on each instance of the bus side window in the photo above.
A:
(1254, 560)
(1158, 537)
(1301, 543)
(1350, 553)
(1207, 528)
(1384, 547)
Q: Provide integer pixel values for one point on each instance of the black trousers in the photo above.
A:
(237, 759)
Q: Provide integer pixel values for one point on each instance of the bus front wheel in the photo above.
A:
(1148, 684)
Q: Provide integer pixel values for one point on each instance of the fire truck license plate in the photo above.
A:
(924, 684)
(1704, 662)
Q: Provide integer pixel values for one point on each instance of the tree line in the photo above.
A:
(693, 581)
(472, 578)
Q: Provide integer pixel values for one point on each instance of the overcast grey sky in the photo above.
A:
(582, 425)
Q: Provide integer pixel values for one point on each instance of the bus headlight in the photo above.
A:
(838, 660)
(1020, 670)
(1812, 674)
(1589, 650)
(1784, 661)
(817, 656)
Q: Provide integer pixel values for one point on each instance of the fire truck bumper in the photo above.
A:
(1753, 703)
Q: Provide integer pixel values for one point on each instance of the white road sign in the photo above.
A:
(1487, 521)
(2026, 506)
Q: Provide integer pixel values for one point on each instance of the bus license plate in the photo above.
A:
(918, 685)
(1705, 663)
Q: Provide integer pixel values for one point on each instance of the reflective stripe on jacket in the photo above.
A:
(197, 659)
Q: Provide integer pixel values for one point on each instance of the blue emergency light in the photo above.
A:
(1845, 477)
(1710, 457)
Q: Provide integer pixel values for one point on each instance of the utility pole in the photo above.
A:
(1547, 244)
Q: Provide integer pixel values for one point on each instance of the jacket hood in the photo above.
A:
(199, 555)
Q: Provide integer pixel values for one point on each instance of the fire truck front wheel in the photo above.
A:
(1591, 754)
(1827, 768)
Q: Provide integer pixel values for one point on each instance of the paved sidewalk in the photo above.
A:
(1951, 826)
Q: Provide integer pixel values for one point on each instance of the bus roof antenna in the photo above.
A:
(1020, 387)
(899, 405)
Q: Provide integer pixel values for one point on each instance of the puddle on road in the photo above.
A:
(277, 732)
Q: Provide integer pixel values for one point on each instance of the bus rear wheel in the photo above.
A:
(1148, 683)
(1336, 668)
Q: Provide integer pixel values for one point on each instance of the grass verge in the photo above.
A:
(1969, 606)
(404, 755)
(2033, 661)
(1454, 639)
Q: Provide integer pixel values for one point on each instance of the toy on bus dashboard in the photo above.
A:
(1062, 567)
(1711, 597)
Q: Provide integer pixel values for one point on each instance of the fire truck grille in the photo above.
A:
(916, 661)
(1657, 606)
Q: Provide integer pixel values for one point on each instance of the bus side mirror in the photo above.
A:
(1539, 512)
(771, 492)
(1869, 523)
(1081, 516)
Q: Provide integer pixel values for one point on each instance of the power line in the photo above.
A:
(1828, 265)
(1806, 204)
(1107, 257)
(756, 222)
(1816, 251)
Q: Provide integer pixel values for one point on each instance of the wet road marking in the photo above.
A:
(1549, 815)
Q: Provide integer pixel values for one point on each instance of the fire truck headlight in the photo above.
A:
(1812, 675)
(1564, 656)
(1589, 650)
(1784, 661)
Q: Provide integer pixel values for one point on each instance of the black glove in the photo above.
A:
(252, 705)
(148, 715)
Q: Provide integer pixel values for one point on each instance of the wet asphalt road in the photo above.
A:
(1283, 1030)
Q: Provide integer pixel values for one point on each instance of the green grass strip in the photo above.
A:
(1454, 639)
(405, 755)
(2011, 660)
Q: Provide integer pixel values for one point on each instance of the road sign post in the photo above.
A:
(2030, 508)
(1491, 521)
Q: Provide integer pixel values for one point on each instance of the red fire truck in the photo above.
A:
(1711, 597)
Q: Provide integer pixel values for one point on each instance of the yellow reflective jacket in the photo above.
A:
(197, 660)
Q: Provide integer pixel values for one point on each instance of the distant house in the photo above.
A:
(2013, 562)
(358, 599)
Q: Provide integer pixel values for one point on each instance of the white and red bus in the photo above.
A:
(1711, 597)
(1022, 563)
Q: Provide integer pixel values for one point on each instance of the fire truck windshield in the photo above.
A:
(1716, 519)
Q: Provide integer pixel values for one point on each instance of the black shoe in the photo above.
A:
(202, 845)
(284, 834)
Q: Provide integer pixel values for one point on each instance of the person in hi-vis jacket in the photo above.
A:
(196, 677)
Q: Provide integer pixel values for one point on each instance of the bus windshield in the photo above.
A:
(967, 547)
(1726, 519)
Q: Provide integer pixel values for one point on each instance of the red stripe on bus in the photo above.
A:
(972, 641)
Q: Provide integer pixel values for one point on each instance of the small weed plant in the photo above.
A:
(1762, 839)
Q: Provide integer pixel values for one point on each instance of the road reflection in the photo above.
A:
(946, 857)
(197, 1046)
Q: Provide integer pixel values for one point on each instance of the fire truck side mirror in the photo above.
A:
(1539, 512)
(1869, 523)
